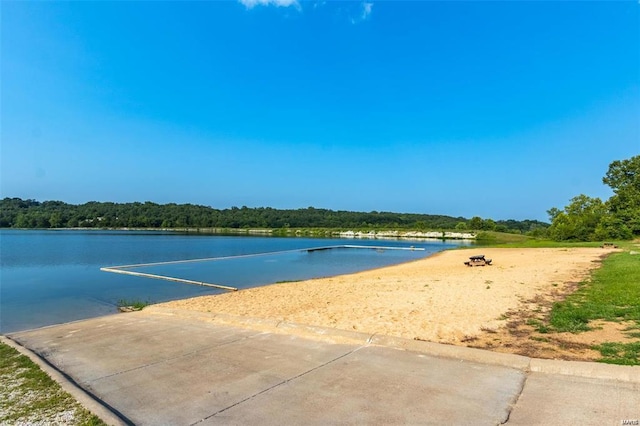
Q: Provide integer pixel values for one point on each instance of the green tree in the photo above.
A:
(15, 212)
(25, 221)
(475, 223)
(624, 206)
(501, 228)
(55, 220)
(488, 225)
(461, 226)
(612, 227)
(578, 221)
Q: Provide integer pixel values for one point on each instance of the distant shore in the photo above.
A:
(437, 299)
(313, 232)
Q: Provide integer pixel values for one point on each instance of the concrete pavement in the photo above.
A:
(157, 367)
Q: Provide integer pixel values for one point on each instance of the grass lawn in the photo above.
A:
(29, 396)
(612, 294)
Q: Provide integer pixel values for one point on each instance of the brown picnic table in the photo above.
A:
(478, 260)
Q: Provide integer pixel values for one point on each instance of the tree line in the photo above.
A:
(590, 219)
(583, 219)
(19, 213)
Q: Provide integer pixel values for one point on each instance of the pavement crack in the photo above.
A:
(516, 398)
(278, 384)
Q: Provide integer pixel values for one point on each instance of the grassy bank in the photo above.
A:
(29, 396)
(612, 295)
(502, 239)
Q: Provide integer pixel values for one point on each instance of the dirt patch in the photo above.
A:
(526, 332)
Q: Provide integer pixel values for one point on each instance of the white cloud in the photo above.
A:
(355, 12)
(365, 12)
(279, 3)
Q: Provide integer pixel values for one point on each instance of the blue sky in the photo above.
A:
(493, 109)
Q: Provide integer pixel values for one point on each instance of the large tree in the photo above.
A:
(624, 206)
(578, 221)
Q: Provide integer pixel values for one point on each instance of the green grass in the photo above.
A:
(612, 294)
(492, 237)
(620, 353)
(503, 239)
(135, 304)
(539, 339)
(539, 243)
(29, 396)
(538, 325)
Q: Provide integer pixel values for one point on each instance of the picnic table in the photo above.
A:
(478, 260)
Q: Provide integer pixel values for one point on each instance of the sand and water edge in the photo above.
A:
(436, 299)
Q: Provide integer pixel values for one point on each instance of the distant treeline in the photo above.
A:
(18, 213)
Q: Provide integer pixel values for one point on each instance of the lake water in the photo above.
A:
(51, 277)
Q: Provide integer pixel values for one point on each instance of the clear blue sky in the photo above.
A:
(493, 109)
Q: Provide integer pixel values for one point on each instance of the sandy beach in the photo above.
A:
(436, 299)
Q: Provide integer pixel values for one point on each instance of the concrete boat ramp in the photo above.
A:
(160, 367)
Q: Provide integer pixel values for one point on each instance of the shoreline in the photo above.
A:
(436, 299)
(320, 233)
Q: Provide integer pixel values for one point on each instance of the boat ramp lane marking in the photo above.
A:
(163, 277)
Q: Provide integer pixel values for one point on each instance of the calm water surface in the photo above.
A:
(51, 277)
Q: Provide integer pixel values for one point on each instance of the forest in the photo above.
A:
(19, 213)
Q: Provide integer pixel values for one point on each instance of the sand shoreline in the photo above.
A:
(437, 299)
